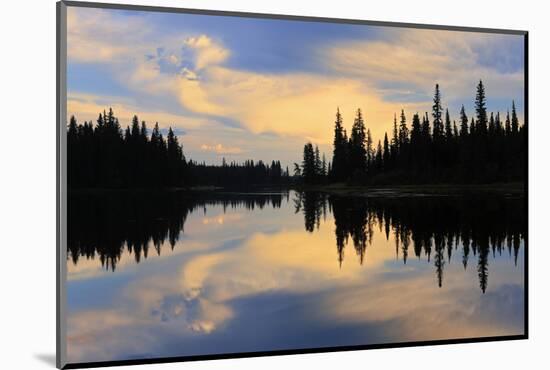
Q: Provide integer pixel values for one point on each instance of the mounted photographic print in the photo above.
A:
(234, 184)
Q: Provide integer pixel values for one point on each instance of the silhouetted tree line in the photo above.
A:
(238, 174)
(103, 156)
(433, 228)
(482, 149)
(105, 225)
(313, 168)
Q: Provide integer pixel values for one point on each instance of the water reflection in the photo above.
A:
(434, 228)
(105, 224)
(173, 274)
(429, 225)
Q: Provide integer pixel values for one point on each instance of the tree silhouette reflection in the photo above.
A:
(434, 226)
(106, 224)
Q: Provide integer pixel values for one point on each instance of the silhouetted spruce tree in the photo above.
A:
(378, 157)
(492, 127)
(426, 130)
(499, 130)
(472, 127)
(427, 146)
(507, 126)
(357, 149)
(463, 124)
(339, 156)
(386, 155)
(455, 130)
(415, 144)
(297, 170)
(481, 110)
(481, 141)
(416, 130)
(309, 173)
(448, 127)
(176, 160)
(437, 113)
(448, 151)
(515, 122)
(394, 146)
(74, 157)
(403, 153)
(369, 149)
(318, 164)
(403, 130)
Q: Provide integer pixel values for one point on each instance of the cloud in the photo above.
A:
(208, 51)
(140, 59)
(418, 59)
(173, 59)
(220, 149)
(381, 77)
(189, 71)
(291, 105)
(188, 74)
(94, 35)
(86, 107)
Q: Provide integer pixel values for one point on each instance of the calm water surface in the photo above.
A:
(154, 275)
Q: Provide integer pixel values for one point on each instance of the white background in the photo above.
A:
(27, 181)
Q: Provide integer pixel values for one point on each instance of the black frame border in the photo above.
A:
(61, 103)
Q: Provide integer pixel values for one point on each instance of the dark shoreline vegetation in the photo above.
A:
(439, 230)
(102, 157)
(482, 150)
(477, 151)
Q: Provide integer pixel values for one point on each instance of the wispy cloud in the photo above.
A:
(208, 52)
(86, 107)
(417, 59)
(186, 75)
(94, 35)
(221, 149)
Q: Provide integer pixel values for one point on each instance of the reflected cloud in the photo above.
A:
(286, 278)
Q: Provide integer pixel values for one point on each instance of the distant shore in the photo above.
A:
(512, 189)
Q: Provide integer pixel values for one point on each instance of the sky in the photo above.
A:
(242, 88)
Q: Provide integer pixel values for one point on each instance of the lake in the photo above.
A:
(181, 274)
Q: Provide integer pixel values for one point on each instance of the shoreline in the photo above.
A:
(512, 188)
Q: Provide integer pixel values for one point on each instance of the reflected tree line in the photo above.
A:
(468, 229)
(105, 225)
(435, 228)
